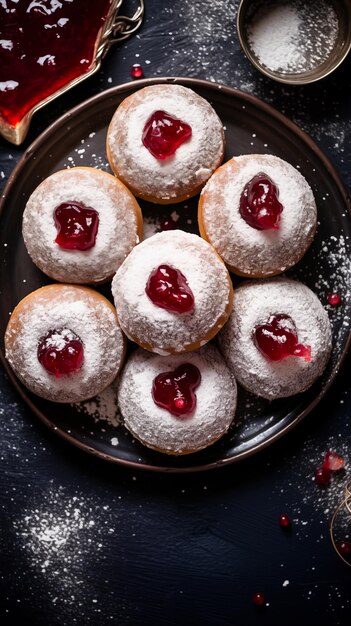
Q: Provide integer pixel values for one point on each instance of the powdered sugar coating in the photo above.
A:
(118, 232)
(181, 175)
(158, 329)
(156, 427)
(255, 302)
(244, 249)
(90, 316)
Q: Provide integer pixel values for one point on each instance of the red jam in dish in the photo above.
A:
(259, 204)
(168, 288)
(163, 134)
(276, 338)
(44, 45)
(76, 225)
(175, 390)
(61, 352)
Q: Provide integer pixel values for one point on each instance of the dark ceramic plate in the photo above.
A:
(78, 138)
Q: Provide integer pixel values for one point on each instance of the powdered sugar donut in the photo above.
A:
(277, 340)
(64, 342)
(259, 213)
(165, 414)
(172, 293)
(164, 142)
(79, 225)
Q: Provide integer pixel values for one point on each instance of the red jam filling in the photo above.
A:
(168, 288)
(276, 338)
(45, 46)
(76, 225)
(163, 134)
(175, 390)
(61, 352)
(259, 204)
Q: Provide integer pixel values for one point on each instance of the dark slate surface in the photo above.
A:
(85, 542)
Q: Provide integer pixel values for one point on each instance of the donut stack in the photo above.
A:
(188, 339)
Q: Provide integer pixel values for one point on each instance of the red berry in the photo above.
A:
(258, 598)
(333, 299)
(322, 476)
(277, 339)
(163, 134)
(344, 548)
(175, 390)
(76, 225)
(259, 205)
(284, 521)
(61, 352)
(136, 71)
(168, 288)
(333, 461)
(168, 224)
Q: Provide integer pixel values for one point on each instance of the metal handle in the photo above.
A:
(124, 26)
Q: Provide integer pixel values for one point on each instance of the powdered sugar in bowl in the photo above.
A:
(292, 41)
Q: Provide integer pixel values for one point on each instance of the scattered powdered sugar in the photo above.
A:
(61, 538)
(153, 224)
(294, 36)
(208, 29)
(338, 280)
(316, 503)
(336, 250)
(103, 407)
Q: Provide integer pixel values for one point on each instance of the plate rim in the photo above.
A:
(271, 112)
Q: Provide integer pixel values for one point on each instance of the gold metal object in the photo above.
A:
(344, 504)
(117, 28)
(248, 9)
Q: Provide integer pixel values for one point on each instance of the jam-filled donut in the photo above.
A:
(259, 213)
(172, 293)
(277, 340)
(164, 142)
(177, 404)
(64, 342)
(79, 225)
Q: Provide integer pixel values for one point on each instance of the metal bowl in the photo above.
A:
(319, 61)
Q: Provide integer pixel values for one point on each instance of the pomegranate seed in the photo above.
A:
(322, 476)
(168, 224)
(277, 338)
(258, 598)
(344, 548)
(284, 521)
(76, 226)
(333, 461)
(163, 134)
(168, 288)
(175, 390)
(259, 205)
(333, 299)
(61, 352)
(137, 71)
